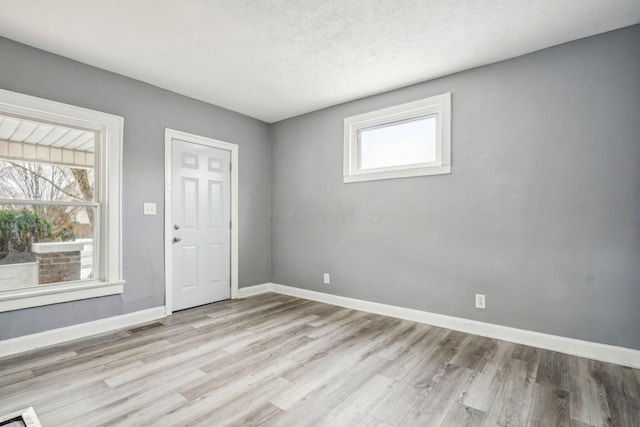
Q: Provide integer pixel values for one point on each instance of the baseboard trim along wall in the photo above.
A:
(255, 290)
(82, 330)
(602, 352)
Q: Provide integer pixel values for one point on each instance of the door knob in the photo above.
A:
(176, 239)
(176, 227)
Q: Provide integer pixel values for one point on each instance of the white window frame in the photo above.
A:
(108, 191)
(438, 106)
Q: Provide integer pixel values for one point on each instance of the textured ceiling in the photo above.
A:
(274, 59)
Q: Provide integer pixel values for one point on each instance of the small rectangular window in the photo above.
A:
(405, 140)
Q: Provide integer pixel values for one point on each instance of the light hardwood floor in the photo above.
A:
(283, 361)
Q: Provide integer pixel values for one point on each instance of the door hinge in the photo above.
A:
(230, 224)
(230, 166)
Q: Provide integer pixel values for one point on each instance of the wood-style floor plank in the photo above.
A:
(485, 382)
(354, 408)
(263, 415)
(436, 401)
(275, 360)
(550, 407)
(623, 395)
(464, 416)
(588, 397)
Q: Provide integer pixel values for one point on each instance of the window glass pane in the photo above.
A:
(45, 161)
(40, 181)
(402, 143)
(45, 244)
(19, 130)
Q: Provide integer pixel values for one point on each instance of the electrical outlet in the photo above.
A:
(327, 278)
(149, 208)
(481, 301)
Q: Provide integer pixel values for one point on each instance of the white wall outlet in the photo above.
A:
(481, 301)
(327, 278)
(149, 208)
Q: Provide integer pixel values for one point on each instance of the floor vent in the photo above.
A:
(24, 418)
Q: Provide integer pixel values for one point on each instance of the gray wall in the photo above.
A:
(147, 110)
(541, 212)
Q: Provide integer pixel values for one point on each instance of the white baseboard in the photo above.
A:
(58, 336)
(61, 335)
(254, 290)
(602, 352)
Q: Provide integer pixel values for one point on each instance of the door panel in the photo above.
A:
(216, 267)
(189, 201)
(216, 204)
(201, 202)
(190, 266)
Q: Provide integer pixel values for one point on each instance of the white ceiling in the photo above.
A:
(274, 59)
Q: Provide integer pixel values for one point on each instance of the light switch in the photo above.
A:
(149, 208)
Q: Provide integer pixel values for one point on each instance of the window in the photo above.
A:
(412, 139)
(60, 195)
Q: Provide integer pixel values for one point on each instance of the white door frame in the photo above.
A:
(169, 135)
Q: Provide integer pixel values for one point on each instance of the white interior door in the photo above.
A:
(201, 215)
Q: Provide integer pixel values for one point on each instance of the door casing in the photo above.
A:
(170, 134)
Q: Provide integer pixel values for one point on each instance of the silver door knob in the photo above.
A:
(176, 227)
(176, 239)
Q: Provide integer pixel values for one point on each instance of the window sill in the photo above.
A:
(401, 173)
(15, 299)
